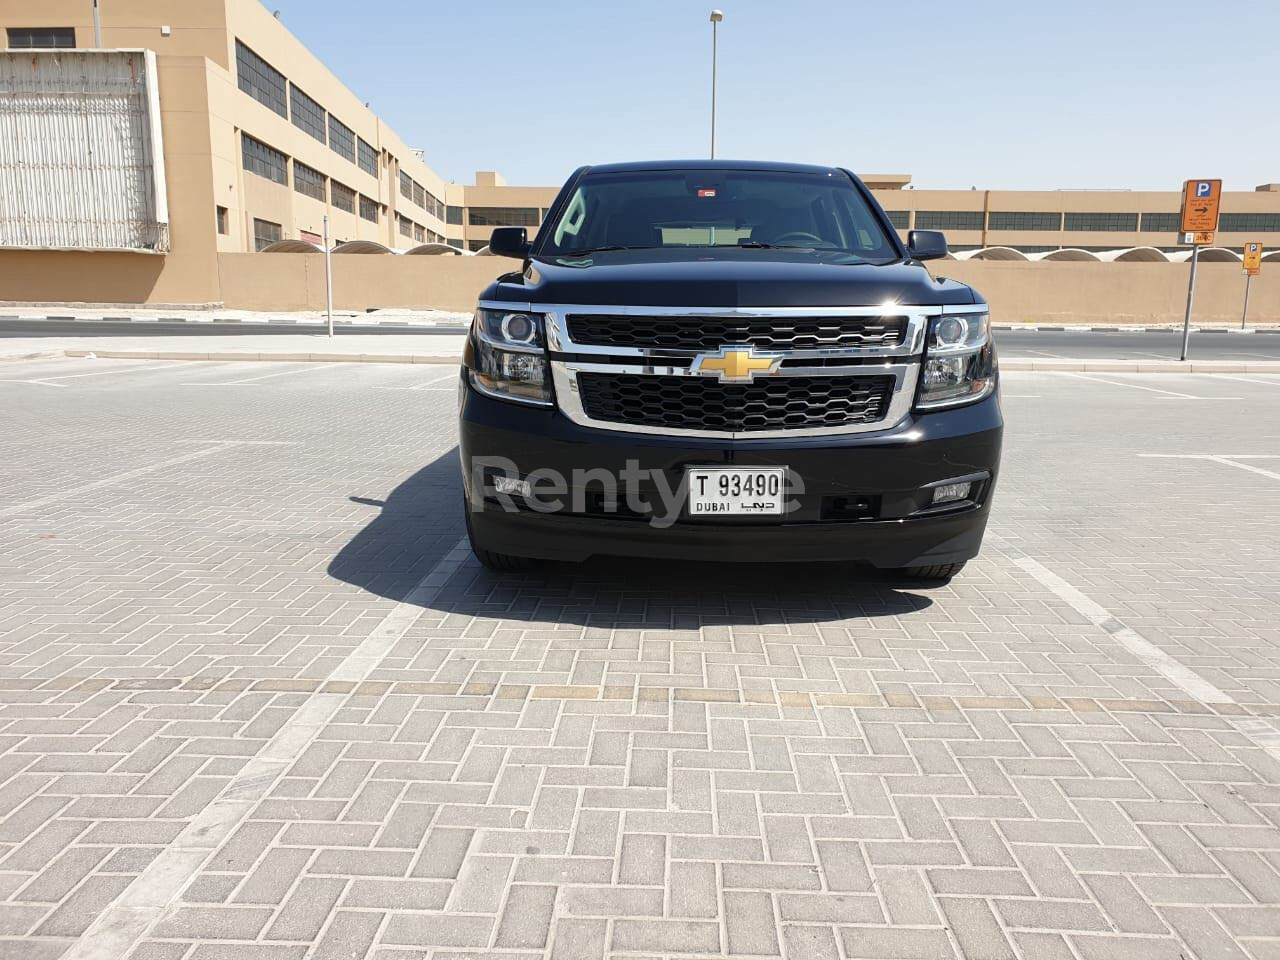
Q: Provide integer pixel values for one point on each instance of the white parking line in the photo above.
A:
(1260, 731)
(1139, 646)
(1229, 376)
(56, 381)
(108, 481)
(427, 385)
(129, 918)
(308, 368)
(1168, 393)
(1217, 458)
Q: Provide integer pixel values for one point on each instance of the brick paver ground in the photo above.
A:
(257, 704)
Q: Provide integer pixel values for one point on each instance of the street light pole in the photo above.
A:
(716, 17)
(97, 26)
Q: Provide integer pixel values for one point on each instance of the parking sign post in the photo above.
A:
(1199, 220)
(1191, 298)
(1252, 267)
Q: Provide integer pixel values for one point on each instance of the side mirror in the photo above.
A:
(925, 244)
(509, 242)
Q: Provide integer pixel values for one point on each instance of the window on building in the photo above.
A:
(265, 233)
(474, 245)
(948, 219)
(1160, 223)
(307, 114)
(342, 139)
(308, 182)
(1249, 222)
(503, 216)
(342, 196)
(419, 195)
(434, 237)
(419, 233)
(222, 221)
(369, 209)
(260, 80)
(367, 158)
(434, 206)
(42, 38)
(263, 160)
(899, 218)
(1023, 220)
(1102, 222)
(455, 243)
(406, 186)
(453, 215)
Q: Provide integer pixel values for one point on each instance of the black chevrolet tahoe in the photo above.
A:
(727, 361)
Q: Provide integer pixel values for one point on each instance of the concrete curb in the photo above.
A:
(1121, 328)
(290, 357)
(1141, 366)
(36, 355)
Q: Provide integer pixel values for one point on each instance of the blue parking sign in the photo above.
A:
(1204, 188)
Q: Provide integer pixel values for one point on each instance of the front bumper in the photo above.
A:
(863, 493)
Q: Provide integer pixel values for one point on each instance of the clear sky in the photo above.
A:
(1002, 94)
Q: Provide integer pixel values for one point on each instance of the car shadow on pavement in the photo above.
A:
(421, 520)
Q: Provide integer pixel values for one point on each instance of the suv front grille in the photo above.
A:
(710, 333)
(702, 403)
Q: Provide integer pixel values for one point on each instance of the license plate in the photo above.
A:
(737, 491)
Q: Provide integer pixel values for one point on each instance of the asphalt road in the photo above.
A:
(1093, 344)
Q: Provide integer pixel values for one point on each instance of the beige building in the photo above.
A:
(260, 143)
(237, 139)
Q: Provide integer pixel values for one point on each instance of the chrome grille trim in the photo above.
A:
(902, 361)
(705, 331)
(564, 375)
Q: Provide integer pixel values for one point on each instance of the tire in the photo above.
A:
(937, 571)
(491, 559)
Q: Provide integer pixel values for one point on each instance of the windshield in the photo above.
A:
(752, 209)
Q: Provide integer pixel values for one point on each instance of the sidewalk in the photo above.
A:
(315, 347)
(447, 348)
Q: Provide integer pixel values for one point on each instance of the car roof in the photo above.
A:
(647, 165)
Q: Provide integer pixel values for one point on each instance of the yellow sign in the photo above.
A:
(1201, 238)
(1200, 200)
(1253, 259)
(736, 363)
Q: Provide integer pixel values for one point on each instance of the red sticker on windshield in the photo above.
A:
(706, 193)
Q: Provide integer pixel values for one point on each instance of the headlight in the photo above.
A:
(959, 361)
(507, 357)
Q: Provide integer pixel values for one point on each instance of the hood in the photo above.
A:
(729, 277)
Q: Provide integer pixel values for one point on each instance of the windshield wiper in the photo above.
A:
(587, 251)
(761, 245)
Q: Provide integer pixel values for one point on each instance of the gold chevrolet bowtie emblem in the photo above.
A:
(736, 363)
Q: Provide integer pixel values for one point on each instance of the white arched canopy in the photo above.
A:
(362, 246)
(484, 251)
(1219, 255)
(998, 253)
(293, 246)
(1070, 253)
(1140, 254)
(432, 250)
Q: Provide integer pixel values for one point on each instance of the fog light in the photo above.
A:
(510, 485)
(950, 492)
